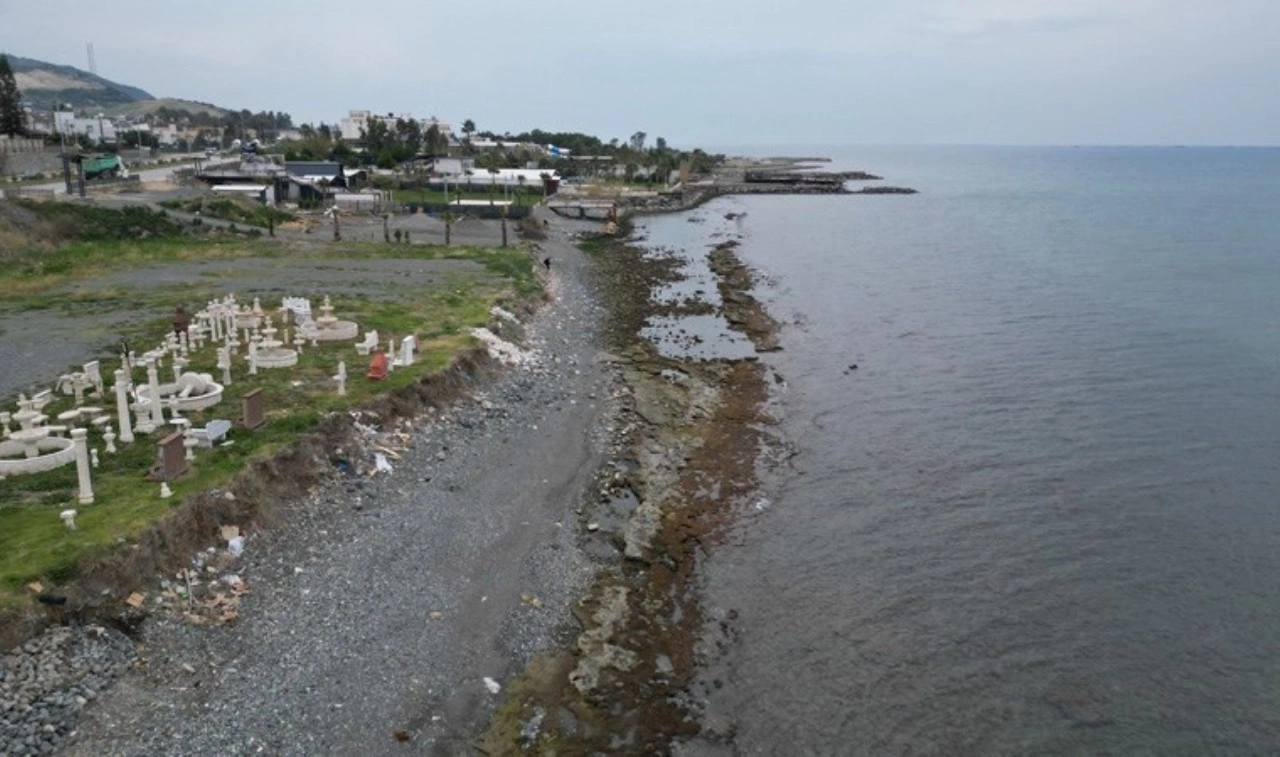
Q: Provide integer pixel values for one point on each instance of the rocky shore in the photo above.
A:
(690, 434)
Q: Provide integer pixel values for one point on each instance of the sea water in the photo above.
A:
(1042, 515)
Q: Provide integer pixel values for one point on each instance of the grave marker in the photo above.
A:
(253, 413)
(172, 457)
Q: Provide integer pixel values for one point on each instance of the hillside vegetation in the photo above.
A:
(43, 84)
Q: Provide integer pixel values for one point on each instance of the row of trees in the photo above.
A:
(384, 144)
(387, 144)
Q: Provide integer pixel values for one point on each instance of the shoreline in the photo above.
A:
(663, 437)
(687, 461)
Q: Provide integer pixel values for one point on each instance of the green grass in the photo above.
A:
(34, 544)
(228, 209)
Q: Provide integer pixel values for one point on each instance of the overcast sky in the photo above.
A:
(714, 72)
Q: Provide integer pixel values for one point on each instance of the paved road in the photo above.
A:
(160, 173)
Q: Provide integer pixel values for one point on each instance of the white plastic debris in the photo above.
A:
(493, 686)
(380, 462)
(235, 545)
(505, 315)
(502, 350)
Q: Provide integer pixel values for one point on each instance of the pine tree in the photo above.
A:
(11, 119)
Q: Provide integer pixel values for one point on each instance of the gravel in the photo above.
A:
(45, 683)
(379, 610)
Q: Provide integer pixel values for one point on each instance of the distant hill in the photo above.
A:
(44, 84)
(147, 107)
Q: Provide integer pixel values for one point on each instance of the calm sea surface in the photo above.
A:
(1043, 514)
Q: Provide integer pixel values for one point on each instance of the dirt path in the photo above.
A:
(378, 613)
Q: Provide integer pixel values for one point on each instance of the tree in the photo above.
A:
(662, 144)
(637, 141)
(432, 139)
(12, 121)
(409, 132)
(468, 127)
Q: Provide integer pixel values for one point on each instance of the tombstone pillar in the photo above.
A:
(82, 464)
(122, 407)
(153, 381)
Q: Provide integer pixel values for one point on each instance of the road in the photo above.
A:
(159, 173)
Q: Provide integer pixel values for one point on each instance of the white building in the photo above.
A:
(98, 128)
(501, 177)
(356, 122)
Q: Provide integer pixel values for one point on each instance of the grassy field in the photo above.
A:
(229, 209)
(34, 544)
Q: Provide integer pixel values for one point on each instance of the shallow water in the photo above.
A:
(1041, 515)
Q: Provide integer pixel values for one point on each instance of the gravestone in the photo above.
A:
(253, 414)
(172, 457)
(378, 366)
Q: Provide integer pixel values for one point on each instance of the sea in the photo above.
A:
(1033, 499)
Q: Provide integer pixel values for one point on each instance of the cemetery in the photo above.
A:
(107, 448)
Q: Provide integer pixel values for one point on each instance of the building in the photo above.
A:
(316, 180)
(98, 128)
(263, 193)
(482, 178)
(453, 167)
(353, 125)
(171, 134)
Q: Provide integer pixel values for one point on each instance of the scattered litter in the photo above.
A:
(593, 527)
(505, 315)
(502, 350)
(401, 736)
(135, 600)
(229, 532)
(380, 462)
(236, 546)
(388, 452)
(493, 686)
(35, 587)
(531, 600)
(437, 615)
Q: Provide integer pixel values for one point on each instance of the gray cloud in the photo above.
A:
(750, 71)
